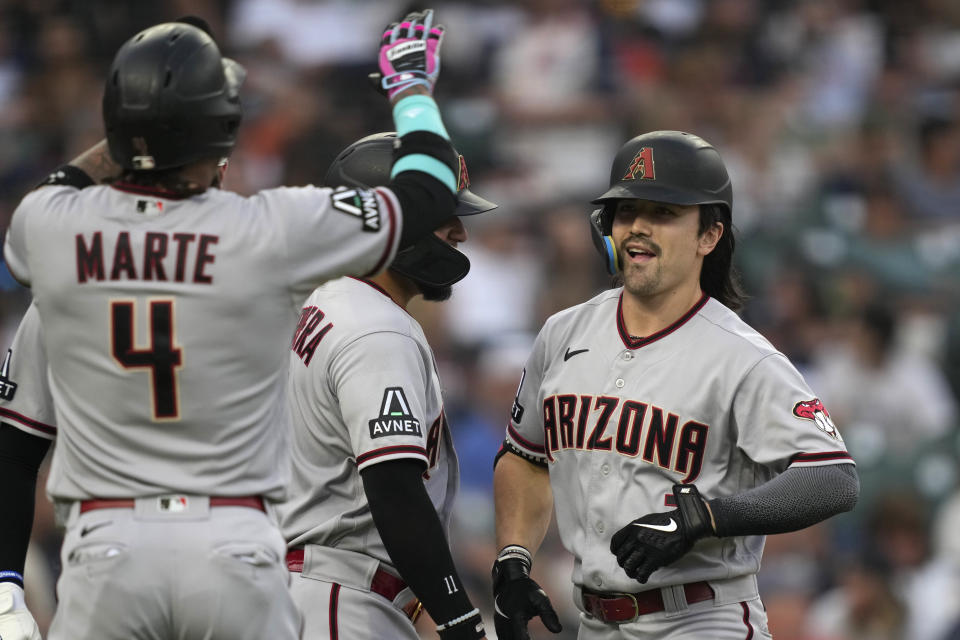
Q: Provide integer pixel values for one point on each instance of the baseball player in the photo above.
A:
(374, 469)
(26, 403)
(166, 306)
(671, 436)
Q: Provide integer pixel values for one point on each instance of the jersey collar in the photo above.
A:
(378, 288)
(142, 190)
(632, 342)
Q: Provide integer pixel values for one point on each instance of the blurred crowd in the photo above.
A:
(839, 121)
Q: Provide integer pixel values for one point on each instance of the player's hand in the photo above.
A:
(16, 623)
(660, 539)
(409, 56)
(517, 597)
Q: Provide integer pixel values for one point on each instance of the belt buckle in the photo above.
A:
(600, 612)
(636, 608)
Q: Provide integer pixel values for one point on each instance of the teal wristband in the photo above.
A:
(418, 113)
(429, 165)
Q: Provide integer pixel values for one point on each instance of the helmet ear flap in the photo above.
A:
(600, 225)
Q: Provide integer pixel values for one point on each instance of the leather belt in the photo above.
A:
(626, 607)
(252, 502)
(383, 583)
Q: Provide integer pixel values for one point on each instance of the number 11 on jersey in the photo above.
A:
(162, 357)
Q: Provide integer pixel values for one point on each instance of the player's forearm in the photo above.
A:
(414, 538)
(20, 457)
(795, 499)
(97, 163)
(523, 502)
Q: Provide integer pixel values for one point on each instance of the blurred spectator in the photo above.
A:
(930, 184)
(862, 607)
(888, 401)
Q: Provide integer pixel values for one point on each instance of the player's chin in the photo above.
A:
(435, 294)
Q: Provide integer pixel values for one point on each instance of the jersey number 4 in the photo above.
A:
(162, 358)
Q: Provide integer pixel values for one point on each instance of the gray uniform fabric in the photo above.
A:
(234, 271)
(25, 401)
(363, 389)
(165, 324)
(619, 421)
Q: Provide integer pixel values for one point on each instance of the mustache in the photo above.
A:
(642, 243)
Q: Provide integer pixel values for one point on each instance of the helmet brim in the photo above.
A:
(654, 193)
(471, 204)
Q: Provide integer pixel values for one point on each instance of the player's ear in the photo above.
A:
(708, 240)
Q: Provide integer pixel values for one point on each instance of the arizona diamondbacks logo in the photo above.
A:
(395, 416)
(360, 203)
(642, 166)
(815, 411)
(8, 388)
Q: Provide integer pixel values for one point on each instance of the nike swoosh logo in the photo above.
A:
(94, 527)
(569, 354)
(666, 528)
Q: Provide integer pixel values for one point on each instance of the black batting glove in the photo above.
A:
(517, 597)
(660, 539)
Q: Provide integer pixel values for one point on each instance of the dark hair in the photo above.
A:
(167, 179)
(718, 278)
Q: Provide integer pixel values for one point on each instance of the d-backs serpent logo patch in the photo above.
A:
(815, 411)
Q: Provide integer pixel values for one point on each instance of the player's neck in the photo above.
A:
(645, 315)
(400, 289)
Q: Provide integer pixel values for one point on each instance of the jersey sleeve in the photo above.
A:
(380, 381)
(779, 421)
(36, 212)
(331, 233)
(25, 400)
(15, 243)
(525, 427)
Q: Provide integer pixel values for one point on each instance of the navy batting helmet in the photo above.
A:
(171, 99)
(431, 261)
(663, 166)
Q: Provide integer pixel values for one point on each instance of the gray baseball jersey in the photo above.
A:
(25, 400)
(620, 419)
(165, 323)
(363, 389)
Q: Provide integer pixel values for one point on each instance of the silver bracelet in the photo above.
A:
(458, 620)
(516, 551)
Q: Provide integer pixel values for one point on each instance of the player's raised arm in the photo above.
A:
(425, 169)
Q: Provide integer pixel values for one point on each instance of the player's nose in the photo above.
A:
(455, 231)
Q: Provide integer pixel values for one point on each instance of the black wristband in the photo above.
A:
(68, 176)
(427, 143)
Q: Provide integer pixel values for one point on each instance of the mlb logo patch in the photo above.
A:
(172, 504)
(150, 207)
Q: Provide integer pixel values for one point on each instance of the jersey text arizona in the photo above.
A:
(658, 440)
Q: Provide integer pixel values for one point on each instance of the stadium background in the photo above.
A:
(838, 119)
